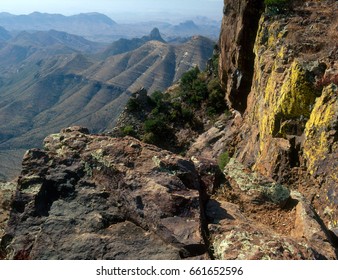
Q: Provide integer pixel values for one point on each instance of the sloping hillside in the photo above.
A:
(56, 85)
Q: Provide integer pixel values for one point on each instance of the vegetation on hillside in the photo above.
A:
(196, 100)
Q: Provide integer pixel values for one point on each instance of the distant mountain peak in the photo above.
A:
(96, 17)
(155, 35)
(189, 23)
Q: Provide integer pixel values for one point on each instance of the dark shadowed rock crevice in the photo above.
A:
(237, 39)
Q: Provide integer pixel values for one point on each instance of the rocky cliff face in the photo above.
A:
(237, 38)
(288, 130)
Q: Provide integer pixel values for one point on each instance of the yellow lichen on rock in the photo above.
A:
(292, 99)
(288, 92)
(318, 128)
(297, 93)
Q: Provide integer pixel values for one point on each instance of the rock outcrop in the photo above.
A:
(289, 115)
(7, 191)
(97, 197)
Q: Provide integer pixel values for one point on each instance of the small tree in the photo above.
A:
(132, 105)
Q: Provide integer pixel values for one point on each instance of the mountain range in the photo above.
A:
(52, 79)
(99, 27)
(84, 24)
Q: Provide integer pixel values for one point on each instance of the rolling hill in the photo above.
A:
(50, 80)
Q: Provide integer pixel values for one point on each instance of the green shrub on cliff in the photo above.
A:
(194, 88)
(132, 105)
(278, 6)
(183, 110)
(223, 160)
(128, 130)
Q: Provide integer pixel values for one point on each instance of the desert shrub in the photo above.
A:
(187, 114)
(188, 78)
(153, 125)
(128, 130)
(193, 88)
(132, 105)
(157, 97)
(174, 115)
(150, 138)
(215, 60)
(214, 84)
(223, 160)
(216, 101)
(215, 63)
(198, 93)
(158, 126)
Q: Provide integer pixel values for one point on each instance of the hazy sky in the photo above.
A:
(208, 8)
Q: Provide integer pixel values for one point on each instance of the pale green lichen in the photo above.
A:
(220, 246)
(87, 169)
(250, 181)
(244, 180)
(244, 245)
(7, 186)
(162, 167)
(55, 144)
(276, 193)
(27, 180)
(32, 189)
(156, 161)
(101, 158)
